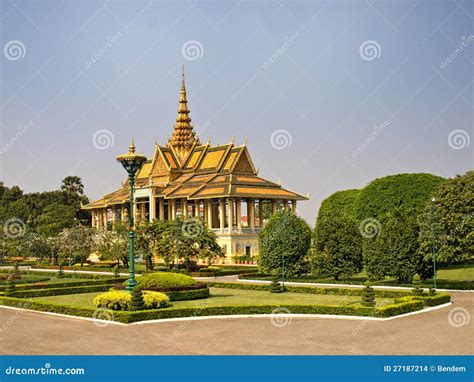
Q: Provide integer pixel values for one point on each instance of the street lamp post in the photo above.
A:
(131, 162)
(433, 241)
(283, 271)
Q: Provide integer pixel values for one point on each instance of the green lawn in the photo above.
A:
(227, 296)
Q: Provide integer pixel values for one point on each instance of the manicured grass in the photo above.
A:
(229, 297)
(453, 277)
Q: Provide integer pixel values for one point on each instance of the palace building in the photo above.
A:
(218, 184)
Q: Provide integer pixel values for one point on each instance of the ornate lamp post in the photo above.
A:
(433, 240)
(131, 162)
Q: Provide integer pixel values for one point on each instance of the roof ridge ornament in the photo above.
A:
(184, 137)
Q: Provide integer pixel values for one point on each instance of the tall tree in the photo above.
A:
(73, 184)
(448, 223)
(284, 236)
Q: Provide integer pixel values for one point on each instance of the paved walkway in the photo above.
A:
(444, 331)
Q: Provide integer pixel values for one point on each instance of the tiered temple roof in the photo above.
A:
(185, 168)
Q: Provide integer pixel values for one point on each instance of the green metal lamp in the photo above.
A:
(131, 162)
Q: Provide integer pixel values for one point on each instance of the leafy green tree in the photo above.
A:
(285, 235)
(407, 193)
(73, 184)
(113, 244)
(78, 242)
(36, 245)
(55, 218)
(339, 255)
(148, 236)
(186, 239)
(394, 251)
(449, 222)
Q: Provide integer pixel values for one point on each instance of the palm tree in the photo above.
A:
(73, 184)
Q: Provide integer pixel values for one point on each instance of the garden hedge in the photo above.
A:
(65, 284)
(188, 294)
(61, 291)
(171, 312)
(314, 290)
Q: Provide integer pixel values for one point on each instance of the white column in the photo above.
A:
(274, 207)
(222, 214)
(196, 208)
(184, 207)
(161, 206)
(230, 218)
(172, 208)
(239, 215)
(252, 214)
(208, 209)
(152, 214)
(293, 206)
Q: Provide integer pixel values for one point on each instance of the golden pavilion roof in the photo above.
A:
(187, 169)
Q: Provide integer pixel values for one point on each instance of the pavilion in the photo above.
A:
(218, 184)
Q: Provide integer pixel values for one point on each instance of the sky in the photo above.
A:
(329, 94)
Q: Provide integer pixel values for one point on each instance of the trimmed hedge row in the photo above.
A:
(67, 275)
(23, 280)
(313, 290)
(224, 272)
(411, 305)
(61, 291)
(188, 294)
(65, 285)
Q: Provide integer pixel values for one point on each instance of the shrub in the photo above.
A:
(166, 281)
(276, 287)
(288, 236)
(116, 271)
(10, 289)
(61, 271)
(137, 302)
(182, 295)
(121, 300)
(16, 271)
(417, 291)
(368, 295)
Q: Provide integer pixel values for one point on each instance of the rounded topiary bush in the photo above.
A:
(166, 281)
(121, 300)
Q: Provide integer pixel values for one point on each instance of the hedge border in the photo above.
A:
(41, 285)
(61, 291)
(313, 289)
(171, 312)
(183, 295)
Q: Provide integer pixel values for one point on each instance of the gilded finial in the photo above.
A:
(209, 141)
(232, 140)
(245, 141)
(131, 148)
(182, 78)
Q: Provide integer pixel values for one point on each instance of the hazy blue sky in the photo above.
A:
(307, 82)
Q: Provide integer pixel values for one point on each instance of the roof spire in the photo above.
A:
(183, 137)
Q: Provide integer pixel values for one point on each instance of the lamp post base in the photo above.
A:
(131, 283)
